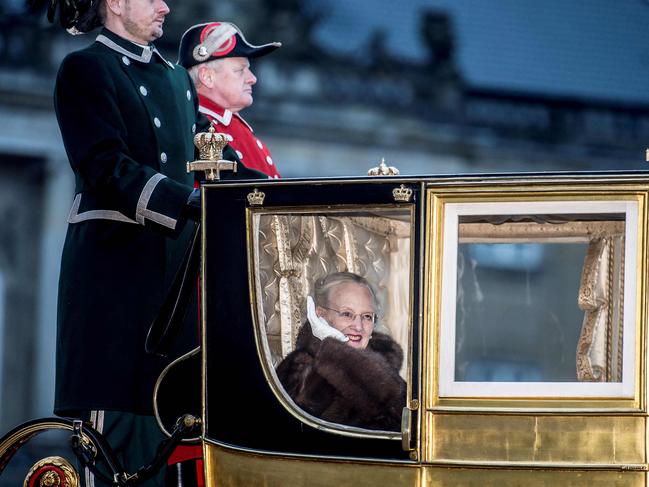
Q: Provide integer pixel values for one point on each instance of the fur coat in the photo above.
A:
(335, 382)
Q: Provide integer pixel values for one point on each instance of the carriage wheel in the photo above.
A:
(52, 472)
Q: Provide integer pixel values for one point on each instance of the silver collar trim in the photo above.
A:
(147, 51)
(224, 119)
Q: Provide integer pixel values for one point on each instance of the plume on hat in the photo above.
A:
(217, 40)
(217, 37)
(72, 14)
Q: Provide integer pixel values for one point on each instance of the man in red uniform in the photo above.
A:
(216, 54)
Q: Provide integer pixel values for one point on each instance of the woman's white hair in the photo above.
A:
(322, 288)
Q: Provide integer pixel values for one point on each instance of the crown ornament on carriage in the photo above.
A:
(383, 170)
(210, 147)
(402, 194)
(210, 144)
(256, 198)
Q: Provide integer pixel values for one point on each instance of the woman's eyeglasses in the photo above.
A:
(349, 317)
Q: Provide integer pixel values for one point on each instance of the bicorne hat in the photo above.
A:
(216, 40)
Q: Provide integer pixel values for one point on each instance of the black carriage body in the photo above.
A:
(241, 409)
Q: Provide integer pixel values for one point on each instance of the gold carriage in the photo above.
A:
(520, 303)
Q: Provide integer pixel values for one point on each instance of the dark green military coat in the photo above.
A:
(127, 117)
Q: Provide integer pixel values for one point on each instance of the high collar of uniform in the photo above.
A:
(130, 49)
(220, 114)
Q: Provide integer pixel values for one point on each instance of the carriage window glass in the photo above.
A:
(345, 363)
(538, 299)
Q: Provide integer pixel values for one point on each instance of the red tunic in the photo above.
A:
(251, 151)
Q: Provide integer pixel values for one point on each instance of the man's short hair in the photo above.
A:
(215, 64)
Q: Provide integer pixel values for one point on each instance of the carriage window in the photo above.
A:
(333, 299)
(538, 299)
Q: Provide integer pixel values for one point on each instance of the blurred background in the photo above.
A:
(433, 86)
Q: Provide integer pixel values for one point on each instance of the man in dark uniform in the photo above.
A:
(127, 117)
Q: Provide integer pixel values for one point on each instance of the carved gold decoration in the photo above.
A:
(402, 194)
(210, 146)
(383, 170)
(52, 472)
(256, 198)
(50, 479)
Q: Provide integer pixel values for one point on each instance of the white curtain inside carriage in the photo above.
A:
(294, 250)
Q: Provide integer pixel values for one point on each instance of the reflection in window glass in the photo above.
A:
(538, 299)
(518, 318)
